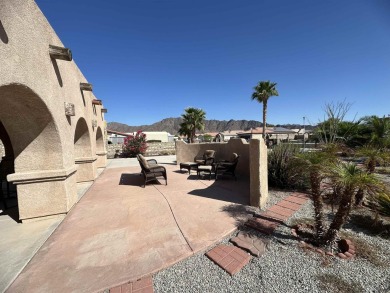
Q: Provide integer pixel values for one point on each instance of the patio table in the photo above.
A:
(189, 166)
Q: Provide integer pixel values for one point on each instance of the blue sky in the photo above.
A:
(149, 60)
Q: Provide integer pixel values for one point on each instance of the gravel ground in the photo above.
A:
(284, 267)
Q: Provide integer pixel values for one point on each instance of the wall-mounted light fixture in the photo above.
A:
(104, 110)
(96, 102)
(60, 53)
(69, 109)
(85, 86)
(94, 123)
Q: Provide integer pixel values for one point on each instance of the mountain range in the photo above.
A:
(172, 125)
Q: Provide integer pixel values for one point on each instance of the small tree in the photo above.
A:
(193, 119)
(328, 130)
(348, 179)
(134, 144)
(314, 166)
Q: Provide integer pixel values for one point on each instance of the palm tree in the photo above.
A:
(348, 178)
(193, 119)
(380, 127)
(314, 166)
(263, 91)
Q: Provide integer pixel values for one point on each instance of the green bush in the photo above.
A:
(280, 171)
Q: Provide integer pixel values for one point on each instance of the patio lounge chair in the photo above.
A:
(207, 158)
(227, 167)
(151, 170)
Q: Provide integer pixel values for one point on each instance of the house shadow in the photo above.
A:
(224, 190)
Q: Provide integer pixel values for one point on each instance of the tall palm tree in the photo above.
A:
(263, 91)
(193, 119)
(348, 178)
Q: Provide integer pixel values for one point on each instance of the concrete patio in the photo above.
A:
(120, 231)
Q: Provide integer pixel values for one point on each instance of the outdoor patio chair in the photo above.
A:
(207, 158)
(227, 167)
(151, 170)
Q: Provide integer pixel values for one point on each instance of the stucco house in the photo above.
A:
(274, 134)
(51, 124)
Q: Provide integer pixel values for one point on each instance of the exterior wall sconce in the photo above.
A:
(85, 86)
(69, 109)
(94, 123)
(60, 53)
(96, 102)
(104, 110)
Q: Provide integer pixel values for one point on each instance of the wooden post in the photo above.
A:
(86, 86)
(60, 53)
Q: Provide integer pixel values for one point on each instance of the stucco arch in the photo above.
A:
(31, 129)
(99, 141)
(84, 159)
(82, 140)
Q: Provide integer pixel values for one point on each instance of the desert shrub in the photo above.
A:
(280, 171)
(134, 145)
(383, 201)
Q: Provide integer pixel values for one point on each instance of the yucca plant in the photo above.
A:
(348, 178)
(280, 171)
(314, 166)
(383, 200)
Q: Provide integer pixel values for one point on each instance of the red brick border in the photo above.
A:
(268, 221)
(144, 285)
(231, 258)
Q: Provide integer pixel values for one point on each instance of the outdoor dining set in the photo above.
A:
(203, 165)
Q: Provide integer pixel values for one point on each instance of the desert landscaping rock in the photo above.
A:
(279, 269)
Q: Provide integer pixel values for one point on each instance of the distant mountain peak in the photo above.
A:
(172, 125)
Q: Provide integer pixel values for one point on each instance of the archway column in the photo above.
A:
(86, 169)
(45, 192)
(101, 161)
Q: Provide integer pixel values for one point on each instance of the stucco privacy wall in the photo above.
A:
(49, 153)
(252, 162)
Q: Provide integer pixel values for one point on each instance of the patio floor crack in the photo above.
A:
(173, 215)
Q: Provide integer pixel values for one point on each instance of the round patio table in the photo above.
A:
(189, 166)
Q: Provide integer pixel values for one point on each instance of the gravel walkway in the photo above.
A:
(284, 267)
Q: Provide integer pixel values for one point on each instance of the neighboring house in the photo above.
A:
(274, 134)
(300, 132)
(162, 136)
(116, 137)
(227, 135)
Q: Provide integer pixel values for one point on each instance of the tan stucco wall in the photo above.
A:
(252, 162)
(28, 73)
(187, 152)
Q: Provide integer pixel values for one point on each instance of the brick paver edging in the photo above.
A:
(231, 258)
(144, 285)
(279, 213)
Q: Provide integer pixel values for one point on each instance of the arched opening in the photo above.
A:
(82, 141)
(99, 141)
(29, 135)
(100, 150)
(83, 153)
